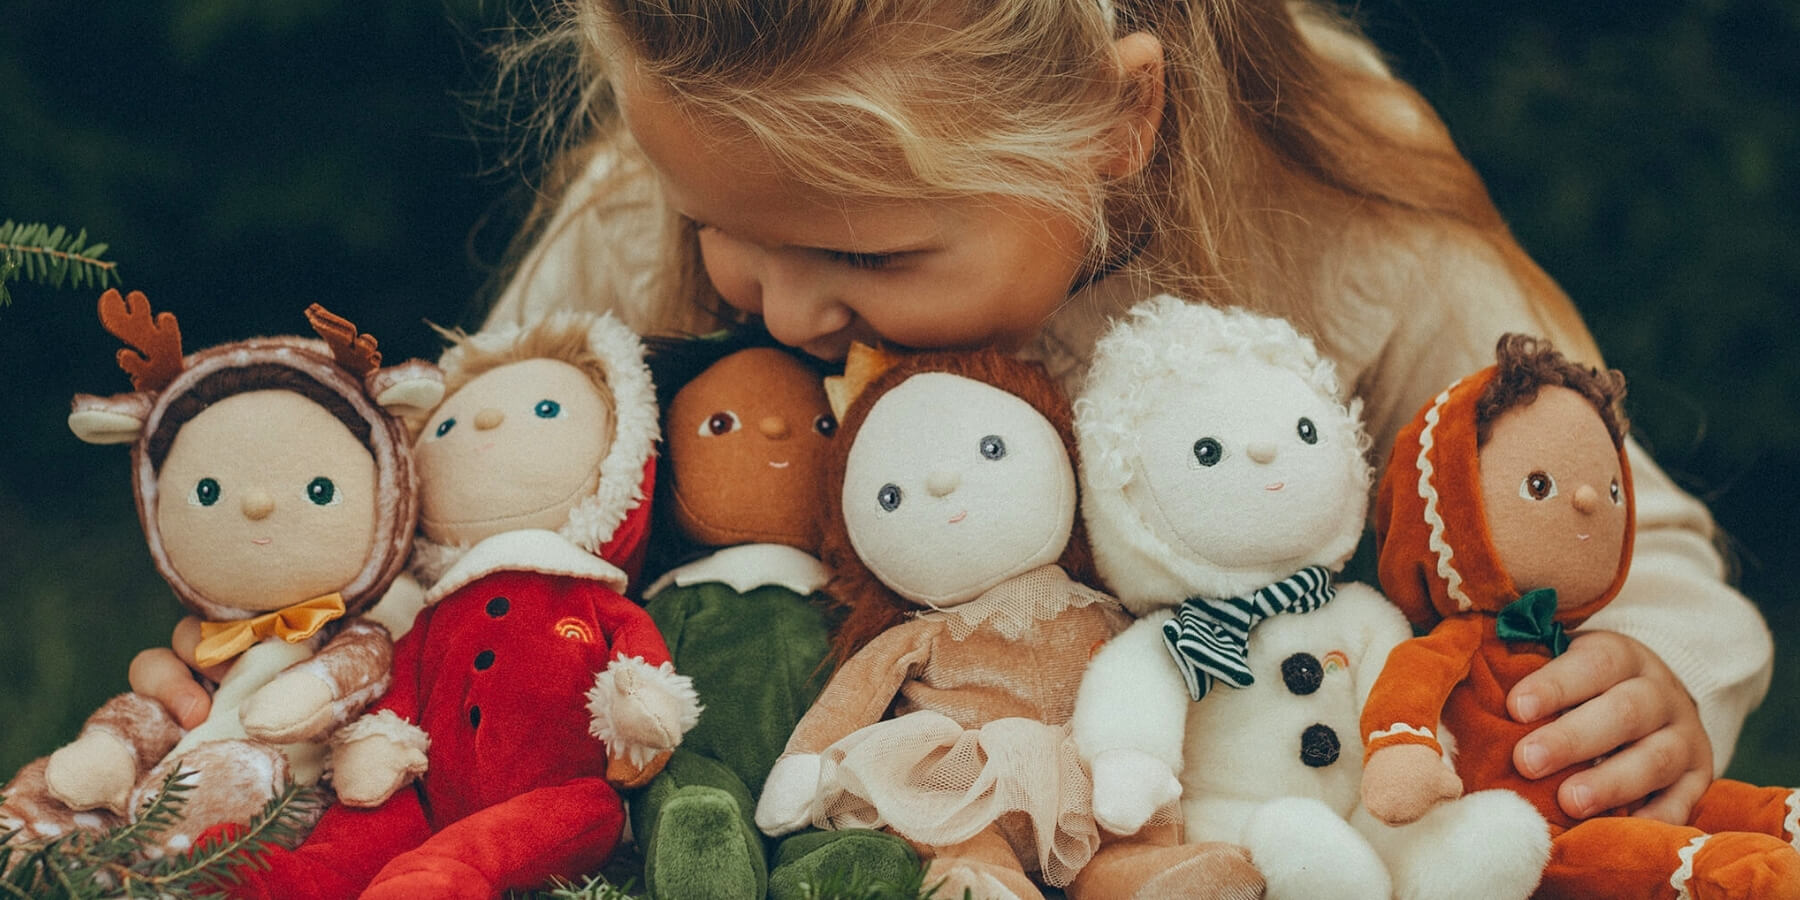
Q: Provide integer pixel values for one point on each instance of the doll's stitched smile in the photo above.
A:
(959, 517)
(1276, 486)
(261, 541)
(778, 465)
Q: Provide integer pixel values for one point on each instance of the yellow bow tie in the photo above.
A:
(220, 641)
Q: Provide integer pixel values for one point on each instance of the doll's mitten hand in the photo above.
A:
(1129, 787)
(640, 709)
(296, 706)
(96, 771)
(368, 770)
(625, 774)
(787, 797)
(1403, 782)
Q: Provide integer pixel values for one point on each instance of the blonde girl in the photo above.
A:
(951, 173)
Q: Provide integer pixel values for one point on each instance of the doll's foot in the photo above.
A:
(956, 877)
(704, 848)
(416, 875)
(1738, 865)
(97, 771)
(857, 856)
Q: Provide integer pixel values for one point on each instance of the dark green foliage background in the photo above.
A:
(244, 159)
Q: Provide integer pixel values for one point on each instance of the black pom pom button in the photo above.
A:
(1302, 673)
(1318, 746)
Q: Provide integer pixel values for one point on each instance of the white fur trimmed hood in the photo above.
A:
(1151, 353)
(614, 521)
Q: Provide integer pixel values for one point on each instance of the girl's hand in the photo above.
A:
(1619, 701)
(166, 675)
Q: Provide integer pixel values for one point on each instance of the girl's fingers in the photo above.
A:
(1656, 763)
(159, 674)
(1628, 711)
(186, 642)
(1593, 664)
(1675, 804)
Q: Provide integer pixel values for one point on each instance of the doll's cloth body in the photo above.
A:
(956, 721)
(494, 671)
(1439, 563)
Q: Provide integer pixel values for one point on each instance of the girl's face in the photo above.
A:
(517, 447)
(954, 486)
(266, 500)
(823, 270)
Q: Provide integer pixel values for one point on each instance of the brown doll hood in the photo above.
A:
(614, 521)
(1434, 555)
(397, 508)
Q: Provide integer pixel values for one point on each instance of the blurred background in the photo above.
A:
(244, 159)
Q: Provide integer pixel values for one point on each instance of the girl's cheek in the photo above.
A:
(731, 269)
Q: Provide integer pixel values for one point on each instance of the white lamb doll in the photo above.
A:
(1224, 483)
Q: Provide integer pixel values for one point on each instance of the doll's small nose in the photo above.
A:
(773, 427)
(941, 484)
(258, 505)
(489, 419)
(1586, 499)
(1261, 451)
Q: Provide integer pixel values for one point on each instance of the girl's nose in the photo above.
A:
(773, 427)
(1586, 499)
(941, 484)
(258, 504)
(795, 308)
(1261, 451)
(489, 419)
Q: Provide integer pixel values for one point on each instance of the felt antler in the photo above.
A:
(155, 340)
(354, 351)
(862, 365)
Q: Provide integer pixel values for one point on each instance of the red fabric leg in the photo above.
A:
(565, 831)
(1627, 857)
(345, 850)
(1736, 806)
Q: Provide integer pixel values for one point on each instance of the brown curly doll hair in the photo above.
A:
(868, 606)
(1525, 363)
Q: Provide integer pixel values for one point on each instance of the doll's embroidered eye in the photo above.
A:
(993, 447)
(547, 409)
(722, 422)
(888, 497)
(1208, 452)
(825, 425)
(444, 427)
(1618, 496)
(321, 491)
(1537, 486)
(1309, 433)
(206, 492)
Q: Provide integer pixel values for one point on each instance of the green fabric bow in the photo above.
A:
(1532, 618)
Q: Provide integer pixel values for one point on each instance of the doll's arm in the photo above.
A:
(859, 694)
(1130, 722)
(120, 742)
(319, 695)
(639, 706)
(375, 755)
(1404, 774)
(1380, 628)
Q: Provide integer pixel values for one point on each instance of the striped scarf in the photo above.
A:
(1207, 637)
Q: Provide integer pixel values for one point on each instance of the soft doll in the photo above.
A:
(486, 767)
(276, 491)
(1224, 485)
(1505, 518)
(746, 428)
(952, 544)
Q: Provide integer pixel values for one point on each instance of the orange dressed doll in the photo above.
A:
(1505, 516)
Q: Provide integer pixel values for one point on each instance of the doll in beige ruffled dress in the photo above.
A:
(952, 540)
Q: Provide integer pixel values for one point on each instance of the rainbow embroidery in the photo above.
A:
(1336, 661)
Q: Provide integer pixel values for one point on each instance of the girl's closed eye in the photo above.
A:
(862, 260)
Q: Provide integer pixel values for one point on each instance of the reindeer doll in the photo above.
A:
(277, 495)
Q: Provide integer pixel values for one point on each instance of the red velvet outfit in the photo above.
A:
(1439, 566)
(495, 673)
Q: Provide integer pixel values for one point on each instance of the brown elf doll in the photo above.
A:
(277, 494)
(1505, 517)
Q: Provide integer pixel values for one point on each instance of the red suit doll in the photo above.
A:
(1505, 516)
(517, 745)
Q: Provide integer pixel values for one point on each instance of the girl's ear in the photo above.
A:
(1140, 57)
(118, 419)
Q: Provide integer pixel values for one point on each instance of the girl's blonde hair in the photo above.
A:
(1273, 111)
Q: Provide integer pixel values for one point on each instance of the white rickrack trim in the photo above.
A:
(1452, 578)
(1685, 871)
(1402, 728)
(1791, 824)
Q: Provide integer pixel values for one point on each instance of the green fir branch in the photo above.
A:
(50, 256)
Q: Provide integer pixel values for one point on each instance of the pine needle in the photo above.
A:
(50, 256)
